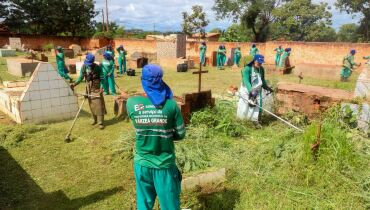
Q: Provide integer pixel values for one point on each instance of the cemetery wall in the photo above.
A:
(328, 53)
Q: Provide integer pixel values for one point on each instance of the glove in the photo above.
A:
(269, 89)
(253, 94)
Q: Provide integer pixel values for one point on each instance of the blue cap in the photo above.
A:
(353, 52)
(259, 58)
(107, 56)
(90, 59)
(288, 49)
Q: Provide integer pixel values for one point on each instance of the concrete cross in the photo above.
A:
(200, 72)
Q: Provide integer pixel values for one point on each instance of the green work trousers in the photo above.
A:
(220, 61)
(122, 65)
(237, 60)
(277, 59)
(109, 85)
(62, 70)
(164, 183)
(345, 73)
(202, 58)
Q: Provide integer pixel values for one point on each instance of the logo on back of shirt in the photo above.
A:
(139, 107)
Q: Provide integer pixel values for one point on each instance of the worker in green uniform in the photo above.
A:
(279, 51)
(253, 83)
(158, 123)
(92, 74)
(61, 65)
(348, 66)
(221, 57)
(107, 66)
(284, 64)
(110, 51)
(237, 56)
(254, 50)
(122, 63)
(203, 51)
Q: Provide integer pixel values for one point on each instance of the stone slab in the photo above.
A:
(15, 43)
(21, 67)
(7, 53)
(363, 84)
(363, 115)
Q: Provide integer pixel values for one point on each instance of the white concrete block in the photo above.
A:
(26, 97)
(50, 67)
(35, 95)
(44, 94)
(62, 83)
(43, 76)
(55, 102)
(53, 84)
(63, 92)
(53, 75)
(65, 109)
(46, 103)
(44, 85)
(64, 100)
(34, 86)
(36, 113)
(47, 112)
(73, 108)
(55, 93)
(36, 104)
(25, 106)
(42, 67)
(26, 115)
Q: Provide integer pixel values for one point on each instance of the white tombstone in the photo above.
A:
(15, 43)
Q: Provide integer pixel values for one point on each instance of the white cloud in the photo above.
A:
(166, 14)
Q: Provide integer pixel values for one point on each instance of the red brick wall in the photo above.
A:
(302, 52)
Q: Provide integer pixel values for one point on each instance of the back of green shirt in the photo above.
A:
(156, 129)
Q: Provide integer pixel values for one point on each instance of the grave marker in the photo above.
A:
(15, 43)
(200, 72)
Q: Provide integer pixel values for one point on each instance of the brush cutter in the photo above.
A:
(68, 137)
(254, 103)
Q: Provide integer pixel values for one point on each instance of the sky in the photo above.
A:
(165, 15)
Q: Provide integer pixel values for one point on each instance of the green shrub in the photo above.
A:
(48, 47)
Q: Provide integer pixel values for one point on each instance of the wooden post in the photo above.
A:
(106, 11)
(200, 72)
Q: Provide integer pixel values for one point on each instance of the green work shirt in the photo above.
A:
(238, 53)
(107, 67)
(279, 51)
(97, 71)
(254, 51)
(246, 76)
(349, 61)
(203, 50)
(121, 53)
(156, 130)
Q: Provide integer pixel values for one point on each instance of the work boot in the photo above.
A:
(101, 122)
(101, 127)
(95, 121)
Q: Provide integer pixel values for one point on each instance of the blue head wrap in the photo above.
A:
(259, 58)
(90, 59)
(253, 45)
(156, 90)
(107, 56)
(353, 52)
(288, 49)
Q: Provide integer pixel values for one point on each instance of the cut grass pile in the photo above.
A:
(268, 168)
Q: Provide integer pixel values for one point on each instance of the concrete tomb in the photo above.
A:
(363, 84)
(21, 67)
(170, 50)
(45, 97)
(7, 53)
(15, 43)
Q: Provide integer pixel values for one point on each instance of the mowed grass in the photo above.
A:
(38, 170)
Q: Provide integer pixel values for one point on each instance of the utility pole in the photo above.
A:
(106, 11)
(103, 26)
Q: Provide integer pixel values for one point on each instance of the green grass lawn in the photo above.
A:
(266, 169)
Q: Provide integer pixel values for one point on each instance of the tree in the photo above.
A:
(253, 14)
(237, 33)
(51, 17)
(358, 6)
(3, 10)
(195, 22)
(348, 33)
(302, 20)
(216, 30)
